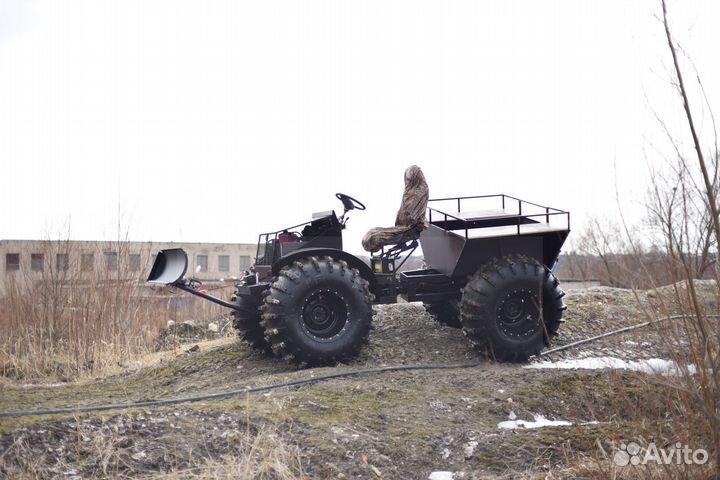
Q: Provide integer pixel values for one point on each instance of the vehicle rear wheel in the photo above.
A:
(446, 312)
(317, 312)
(246, 321)
(510, 307)
(553, 306)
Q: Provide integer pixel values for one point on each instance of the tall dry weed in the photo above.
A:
(67, 321)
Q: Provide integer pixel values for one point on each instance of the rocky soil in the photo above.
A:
(390, 425)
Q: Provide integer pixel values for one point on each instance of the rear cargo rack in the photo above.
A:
(495, 215)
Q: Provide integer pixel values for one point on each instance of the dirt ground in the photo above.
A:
(391, 425)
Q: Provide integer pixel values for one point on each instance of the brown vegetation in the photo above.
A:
(65, 322)
(682, 208)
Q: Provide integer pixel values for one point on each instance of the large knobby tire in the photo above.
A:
(446, 312)
(510, 307)
(553, 305)
(317, 312)
(246, 321)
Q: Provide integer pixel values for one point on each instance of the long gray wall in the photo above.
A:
(27, 260)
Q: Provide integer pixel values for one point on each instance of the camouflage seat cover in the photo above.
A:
(410, 218)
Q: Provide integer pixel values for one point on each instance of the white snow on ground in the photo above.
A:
(470, 448)
(441, 476)
(539, 422)
(651, 365)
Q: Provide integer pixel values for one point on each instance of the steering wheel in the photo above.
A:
(349, 202)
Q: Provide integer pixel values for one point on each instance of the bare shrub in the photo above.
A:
(693, 399)
(683, 408)
(66, 319)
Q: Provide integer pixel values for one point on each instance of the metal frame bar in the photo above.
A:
(503, 196)
(548, 212)
(277, 232)
(182, 285)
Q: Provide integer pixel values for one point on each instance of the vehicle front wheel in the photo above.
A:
(317, 312)
(246, 320)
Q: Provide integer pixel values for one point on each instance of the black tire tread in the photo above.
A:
(247, 322)
(553, 305)
(291, 279)
(477, 306)
(445, 313)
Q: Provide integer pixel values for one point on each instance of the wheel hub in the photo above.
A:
(513, 309)
(320, 314)
(324, 314)
(518, 314)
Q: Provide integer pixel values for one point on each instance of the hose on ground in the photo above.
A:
(616, 332)
(219, 395)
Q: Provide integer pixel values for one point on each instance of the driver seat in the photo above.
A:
(410, 220)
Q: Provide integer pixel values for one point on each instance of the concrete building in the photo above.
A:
(79, 261)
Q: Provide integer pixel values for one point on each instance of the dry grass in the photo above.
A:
(257, 453)
(682, 207)
(66, 324)
(682, 408)
(264, 456)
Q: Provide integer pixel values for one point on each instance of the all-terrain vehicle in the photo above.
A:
(488, 259)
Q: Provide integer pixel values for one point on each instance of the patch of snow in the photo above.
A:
(470, 448)
(651, 365)
(441, 476)
(539, 422)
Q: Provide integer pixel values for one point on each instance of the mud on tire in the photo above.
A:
(511, 307)
(317, 312)
(247, 322)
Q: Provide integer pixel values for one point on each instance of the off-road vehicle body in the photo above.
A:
(489, 262)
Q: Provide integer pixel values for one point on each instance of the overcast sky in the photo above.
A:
(212, 121)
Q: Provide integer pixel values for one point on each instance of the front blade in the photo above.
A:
(169, 267)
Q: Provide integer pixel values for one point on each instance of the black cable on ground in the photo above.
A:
(214, 396)
(616, 332)
(598, 337)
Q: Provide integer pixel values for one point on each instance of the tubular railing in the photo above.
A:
(519, 219)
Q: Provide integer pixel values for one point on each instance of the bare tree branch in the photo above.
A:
(712, 201)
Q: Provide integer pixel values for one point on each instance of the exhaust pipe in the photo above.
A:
(169, 268)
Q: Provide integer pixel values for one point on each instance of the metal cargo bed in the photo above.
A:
(465, 232)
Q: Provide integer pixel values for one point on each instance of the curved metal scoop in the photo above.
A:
(169, 267)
